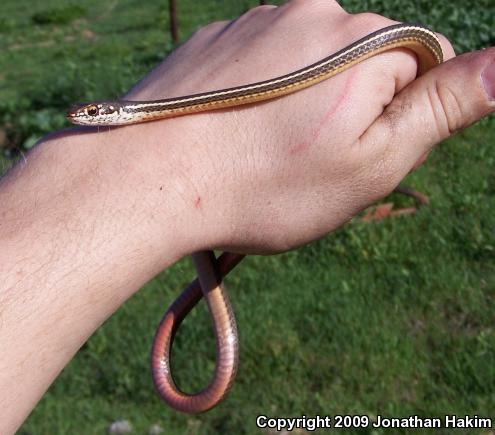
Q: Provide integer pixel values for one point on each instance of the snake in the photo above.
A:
(211, 271)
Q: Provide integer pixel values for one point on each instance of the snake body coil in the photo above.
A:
(419, 39)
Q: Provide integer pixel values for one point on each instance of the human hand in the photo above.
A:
(272, 176)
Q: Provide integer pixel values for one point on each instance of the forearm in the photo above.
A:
(86, 220)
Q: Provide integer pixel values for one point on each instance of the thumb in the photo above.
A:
(433, 107)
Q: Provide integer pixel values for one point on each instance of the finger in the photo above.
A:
(433, 107)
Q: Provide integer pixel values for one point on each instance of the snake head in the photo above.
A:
(95, 113)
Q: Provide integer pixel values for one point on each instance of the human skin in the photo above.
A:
(90, 216)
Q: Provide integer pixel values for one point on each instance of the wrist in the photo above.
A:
(189, 175)
(130, 194)
(163, 182)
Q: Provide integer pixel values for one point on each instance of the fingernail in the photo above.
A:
(488, 79)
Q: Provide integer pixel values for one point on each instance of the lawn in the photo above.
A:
(393, 318)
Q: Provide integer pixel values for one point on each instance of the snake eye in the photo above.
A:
(92, 110)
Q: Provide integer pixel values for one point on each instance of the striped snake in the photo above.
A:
(419, 39)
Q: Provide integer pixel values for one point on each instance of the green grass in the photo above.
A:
(391, 318)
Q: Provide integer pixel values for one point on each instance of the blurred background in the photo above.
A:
(394, 317)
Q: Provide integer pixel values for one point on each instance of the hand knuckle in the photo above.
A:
(317, 7)
(370, 20)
